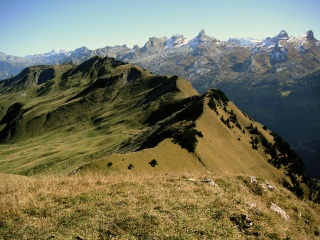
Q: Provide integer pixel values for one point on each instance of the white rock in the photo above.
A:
(251, 205)
(277, 209)
(269, 186)
(253, 179)
(191, 179)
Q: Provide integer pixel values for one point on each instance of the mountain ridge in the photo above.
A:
(87, 114)
(274, 68)
(182, 41)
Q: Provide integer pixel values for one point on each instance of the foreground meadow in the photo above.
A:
(199, 205)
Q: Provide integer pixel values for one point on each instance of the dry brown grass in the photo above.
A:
(229, 150)
(150, 206)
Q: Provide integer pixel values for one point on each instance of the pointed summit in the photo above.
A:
(283, 35)
(201, 33)
(309, 35)
(201, 39)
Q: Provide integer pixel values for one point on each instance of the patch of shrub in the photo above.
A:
(186, 138)
(153, 163)
(296, 164)
(314, 186)
(282, 154)
(218, 95)
(109, 164)
(223, 120)
(242, 221)
(226, 122)
(254, 131)
(296, 188)
(255, 187)
(232, 118)
(212, 105)
(254, 142)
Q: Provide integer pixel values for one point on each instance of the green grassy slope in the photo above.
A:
(80, 115)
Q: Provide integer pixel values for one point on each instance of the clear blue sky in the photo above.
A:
(37, 26)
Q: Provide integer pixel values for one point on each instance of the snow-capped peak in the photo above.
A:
(283, 35)
(243, 41)
(62, 51)
(271, 42)
(175, 41)
(201, 38)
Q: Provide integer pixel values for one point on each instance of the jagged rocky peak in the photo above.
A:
(80, 50)
(154, 45)
(51, 52)
(201, 33)
(200, 39)
(154, 41)
(177, 40)
(283, 35)
(309, 35)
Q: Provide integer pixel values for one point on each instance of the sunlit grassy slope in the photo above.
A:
(80, 115)
(220, 150)
(152, 206)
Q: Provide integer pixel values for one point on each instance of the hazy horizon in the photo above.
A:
(33, 27)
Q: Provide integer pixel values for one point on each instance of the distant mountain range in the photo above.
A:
(275, 80)
(163, 47)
